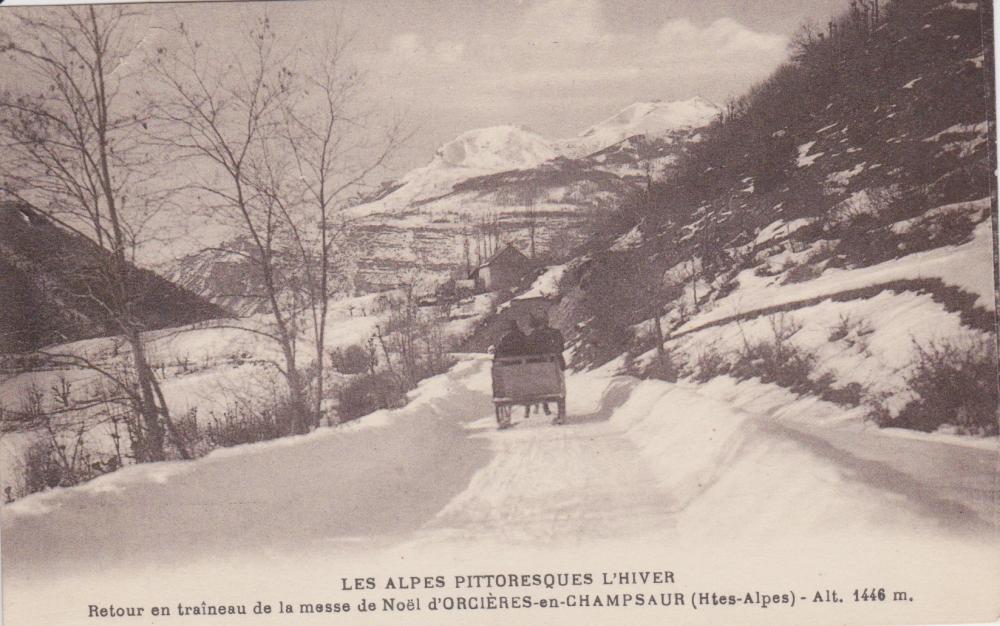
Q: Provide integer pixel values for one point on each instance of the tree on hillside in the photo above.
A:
(488, 231)
(284, 139)
(526, 197)
(73, 149)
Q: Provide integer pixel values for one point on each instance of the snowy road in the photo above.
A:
(645, 475)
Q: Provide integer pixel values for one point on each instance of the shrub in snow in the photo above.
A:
(186, 427)
(945, 229)
(952, 382)
(802, 272)
(60, 453)
(854, 332)
(48, 463)
(246, 426)
(351, 360)
(851, 394)
(663, 365)
(862, 241)
(39, 469)
(777, 362)
(371, 392)
(708, 364)
(775, 359)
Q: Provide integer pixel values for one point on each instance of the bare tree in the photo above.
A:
(285, 137)
(72, 147)
(466, 252)
(526, 197)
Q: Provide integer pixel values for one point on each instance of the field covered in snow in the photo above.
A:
(206, 370)
(716, 483)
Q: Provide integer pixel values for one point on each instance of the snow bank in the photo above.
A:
(547, 284)
(645, 474)
(951, 264)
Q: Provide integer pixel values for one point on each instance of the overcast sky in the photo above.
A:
(558, 66)
(555, 66)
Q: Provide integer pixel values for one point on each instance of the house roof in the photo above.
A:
(510, 247)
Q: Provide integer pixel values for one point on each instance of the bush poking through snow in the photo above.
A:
(660, 367)
(246, 426)
(842, 328)
(776, 359)
(61, 455)
(852, 331)
(953, 383)
(664, 367)
(708, 364)
(802, 272)
(371, 392)
(39, 469)
(353, 359)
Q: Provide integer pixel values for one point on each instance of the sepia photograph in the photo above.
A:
(527, 311)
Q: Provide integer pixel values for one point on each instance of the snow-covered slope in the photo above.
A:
(650, 119)
(503, 148)
(473, 153)
(645, 475)
(846, 223)
(496, 148)
(419, 221)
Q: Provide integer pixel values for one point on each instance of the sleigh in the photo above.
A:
(527, 380)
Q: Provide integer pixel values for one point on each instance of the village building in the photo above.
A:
(502, 270)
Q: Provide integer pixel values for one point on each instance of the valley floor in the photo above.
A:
(733, 487)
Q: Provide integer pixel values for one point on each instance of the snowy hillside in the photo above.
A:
(501, 171)
(654, 119)
(471, 154)
(825, 238)
(420, 220)
(496, 149)
(484, 151)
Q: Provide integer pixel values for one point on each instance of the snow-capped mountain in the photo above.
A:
(654, 119)
(485, 151)
(421, 220)
(473, 153)
(496, 148)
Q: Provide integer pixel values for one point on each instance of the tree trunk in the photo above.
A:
(152, 427)
(299, 409)
(661, 352)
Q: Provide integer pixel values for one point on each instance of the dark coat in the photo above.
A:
(547, 340)
(514, 343)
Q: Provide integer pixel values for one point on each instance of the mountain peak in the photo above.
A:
(651, 118)
(496, 148)
(655, 117)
